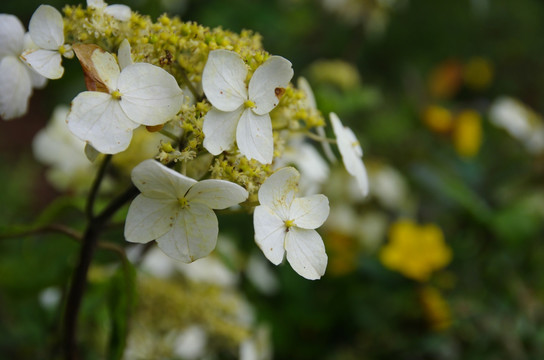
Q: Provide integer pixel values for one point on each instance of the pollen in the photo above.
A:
(183, 202)
(289, 223)
(116, 95)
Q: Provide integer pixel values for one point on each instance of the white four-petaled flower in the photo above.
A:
(241, 112)
(285, 224)
(46, 29)
(139, 94)
(177, 211)
(117, 11)
(16, 78)
(351, 152)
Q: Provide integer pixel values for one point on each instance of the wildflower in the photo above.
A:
(176, 211)
(467, 134)
(351, 152)
(46, 29)
(415, 251)
(435, 308)
(242, 113)
(519, 121)
(138, 94)
(439, 119)
(16, 78)
(478, 73)
(285, 224)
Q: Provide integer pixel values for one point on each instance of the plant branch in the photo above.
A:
(89, 208)
(79, 280)
(58, 228)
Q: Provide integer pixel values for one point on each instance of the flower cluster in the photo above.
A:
(231, 123)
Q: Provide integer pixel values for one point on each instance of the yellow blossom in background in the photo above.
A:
(343, 252)
(467, 134)
(438, 118)
(415, 251)
(445, 79)
(335, 72)
(478, 73)
(435, 307)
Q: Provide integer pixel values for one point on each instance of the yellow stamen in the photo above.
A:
(249, 104)
(116, 95)
(289, 223)
(183, 202)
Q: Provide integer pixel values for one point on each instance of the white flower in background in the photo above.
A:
(259, 273)
(138, 94)
(177, 211)
(258, 346)
(242, 113)
(117, 11)
(303, 85)
(351, 152)
(306, 158)
(285, 224)
(191, 343)
(520, 121)
(58, 148)
(46, 29)
(389, 187)
(16, 78)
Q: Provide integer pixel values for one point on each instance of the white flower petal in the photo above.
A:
(124, 55)
(11, 35)
(223, 80)
(278, 191)
(45, 62)
(97, 118)
(119, 12)
(15, 88)
(254, 136)
(220, 129)
(149, 94)
(38, 81)
(306, 252)
(106, 68)
(275, 73)
(47, 28)
(310, 212)
(96, 4)
(217, 194)
(351, 153)
(149, 219)
(193, 236)
(269, 233)
(157, 181)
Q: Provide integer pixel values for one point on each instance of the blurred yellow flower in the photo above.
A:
(478, 73)
(415, 251)
(467, 134)
(436, 309)
(335, 72)
(438, 118)
(343, 252)
(445, 79)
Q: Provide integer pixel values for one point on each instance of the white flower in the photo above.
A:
(177, 211)
(241, 112)
(520, 121)
(306, 158)
(117, 11)
(139, 94)
(58, 148)
(351, 152)
(303, 85)
(285, 224)
(16, 78)
(46, 29)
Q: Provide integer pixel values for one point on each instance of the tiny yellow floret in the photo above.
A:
(289, 223)
(249, 104)
(116, 95)
(183, 202)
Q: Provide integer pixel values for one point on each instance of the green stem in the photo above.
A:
(58, 228)
(315, 137)
(189, 84)
(89, 208)
(169, 134)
